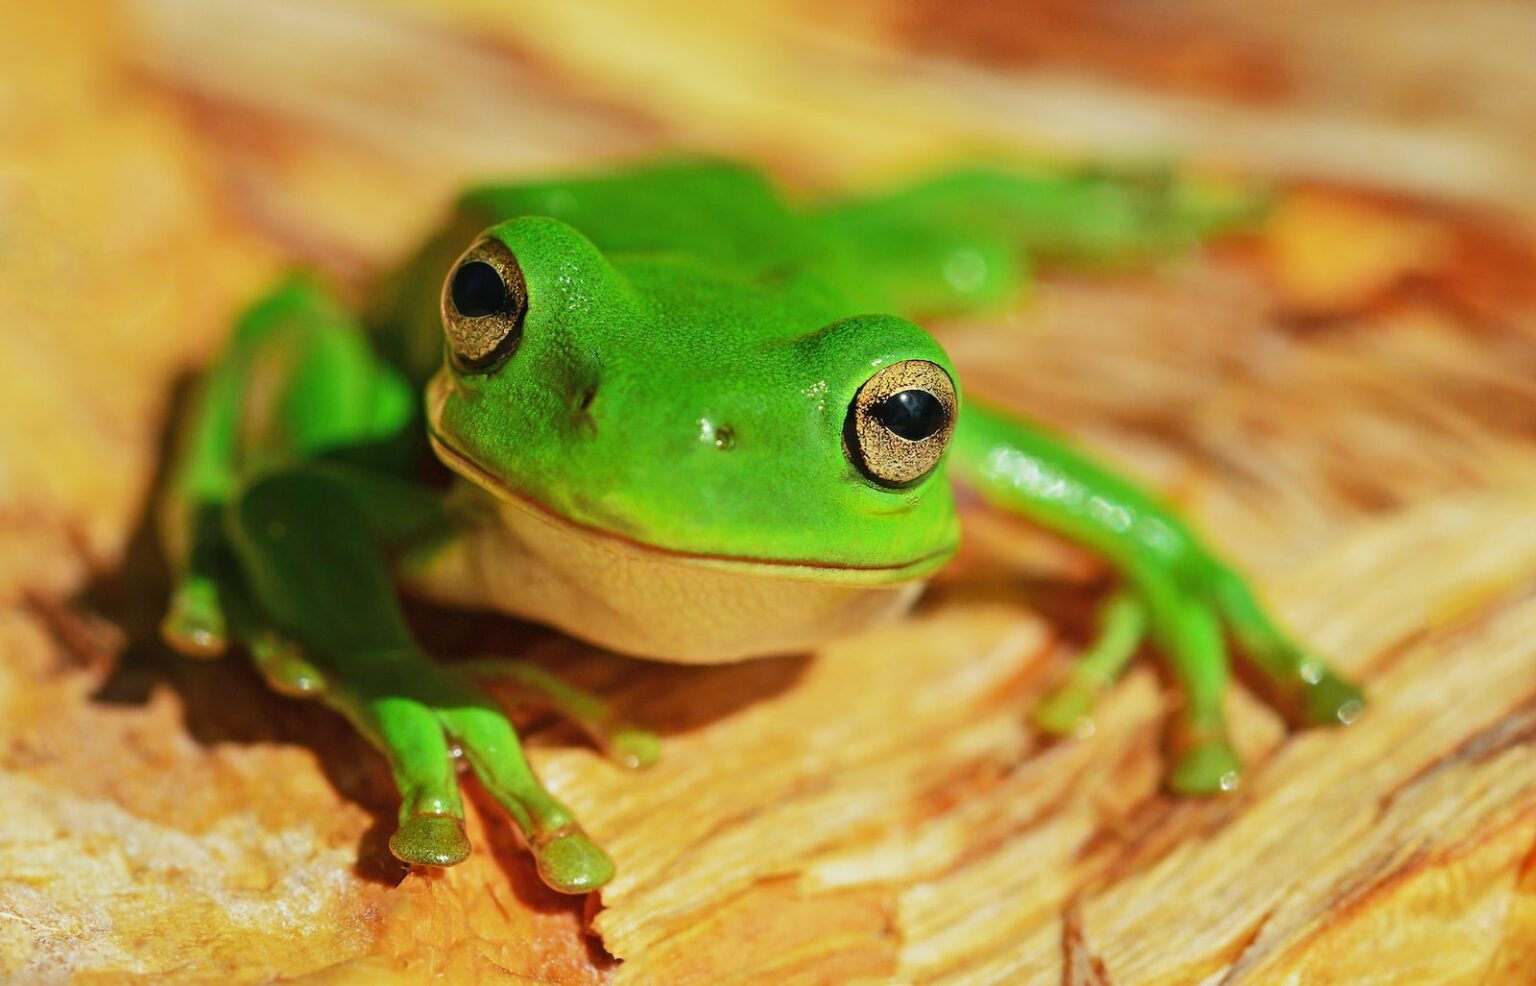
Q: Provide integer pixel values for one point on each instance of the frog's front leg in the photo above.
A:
(314, 569)
(1175, 589)
(1186, 628)
(1122, 625)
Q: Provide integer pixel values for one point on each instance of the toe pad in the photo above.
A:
(430, 840)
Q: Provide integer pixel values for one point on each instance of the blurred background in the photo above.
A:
(1345, 399)
(1412, 96)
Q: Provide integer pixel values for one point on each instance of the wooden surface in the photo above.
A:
(1346, 403)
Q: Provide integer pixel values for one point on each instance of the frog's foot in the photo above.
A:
(314, 571)
(1319, 697)
(283, 664)
(1068, 710)
(411, 708)
(1212, 204)
(1187, 626)
(571, 863)
(1187, 608)
(1191, 611)
(194, 623)
(1304, 689)
(428, 839)
(1148, 212)
(568, 861)
(1203, 762)
(621, 742)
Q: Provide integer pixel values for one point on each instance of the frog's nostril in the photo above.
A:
(912, 414)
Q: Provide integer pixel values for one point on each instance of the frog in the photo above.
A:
(687, 417)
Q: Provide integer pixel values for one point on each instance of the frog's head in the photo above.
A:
(658, 401)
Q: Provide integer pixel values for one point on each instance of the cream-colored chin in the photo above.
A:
(643, 601)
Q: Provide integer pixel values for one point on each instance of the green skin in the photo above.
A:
(660, 298)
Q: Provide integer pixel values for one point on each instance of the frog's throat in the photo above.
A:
(811, 570)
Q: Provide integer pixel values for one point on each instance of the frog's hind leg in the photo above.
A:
(316, 571)
(1122, 625)
(1188, 629)
(1305, 689)
(964, 241)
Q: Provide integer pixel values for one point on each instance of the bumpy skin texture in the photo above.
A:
(685, 349)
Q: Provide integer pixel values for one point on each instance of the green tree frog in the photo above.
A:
(690, 420)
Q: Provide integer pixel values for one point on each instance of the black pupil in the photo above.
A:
(478, 290)
(912, 414)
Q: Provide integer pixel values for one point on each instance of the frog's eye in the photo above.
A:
(484, 301)
(900, 422)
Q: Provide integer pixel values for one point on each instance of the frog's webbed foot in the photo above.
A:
(1188, 610)
(412, 709)
(314, 574)
(621, 742)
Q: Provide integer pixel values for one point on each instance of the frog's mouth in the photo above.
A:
(796, 569)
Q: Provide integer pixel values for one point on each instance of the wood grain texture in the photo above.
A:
(1344, 402)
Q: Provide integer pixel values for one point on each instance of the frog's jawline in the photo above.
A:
(471, 470)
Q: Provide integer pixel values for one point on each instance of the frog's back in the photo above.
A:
(723, 214)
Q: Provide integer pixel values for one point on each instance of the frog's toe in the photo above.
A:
(571, 863)
(430, 840)
(194, 624)
(283, 664)
(1208, 766)
(1327, 700)
(633, 748)
(1068, 711)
